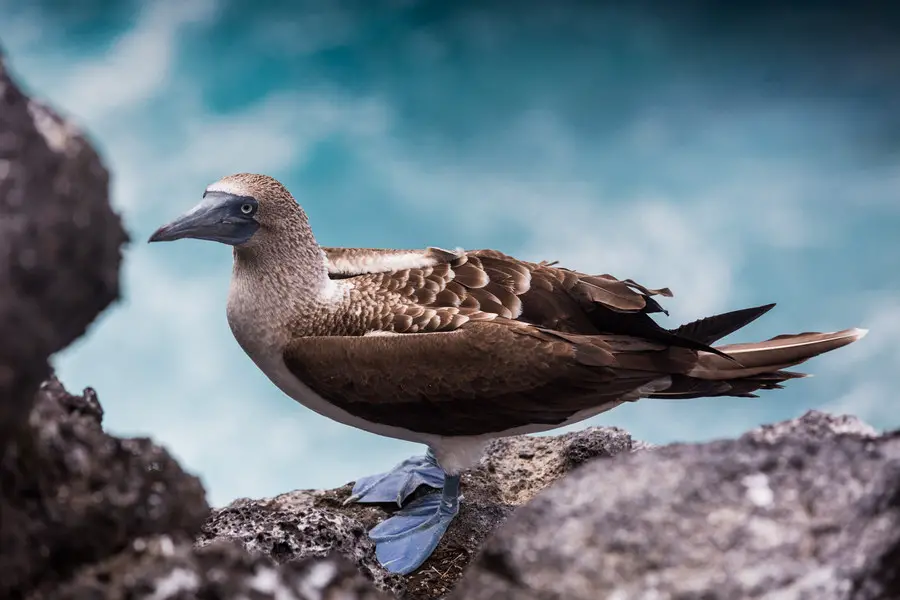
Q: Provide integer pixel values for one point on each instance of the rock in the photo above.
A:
(73, 495)
(60, 244)
(164, 567)
(814, 425)
(809, 508)
(91, 516)
(291, 527)
(308, 523)
(516, 468)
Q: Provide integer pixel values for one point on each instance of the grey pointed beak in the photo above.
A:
(220, 217)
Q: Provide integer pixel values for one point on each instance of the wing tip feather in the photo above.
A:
(858, 333)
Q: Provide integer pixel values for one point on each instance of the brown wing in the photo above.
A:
(482, 378)
(438, 290)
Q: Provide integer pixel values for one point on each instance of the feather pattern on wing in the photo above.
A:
(481, 283)
(489, 343)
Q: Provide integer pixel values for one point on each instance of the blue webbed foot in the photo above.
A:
(404, 541)
(400, 482)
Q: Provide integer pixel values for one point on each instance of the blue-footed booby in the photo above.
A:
(453, 348)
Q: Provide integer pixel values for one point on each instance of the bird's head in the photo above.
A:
(241, 210)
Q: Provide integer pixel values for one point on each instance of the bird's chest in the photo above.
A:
(264, 321)
(255, 323)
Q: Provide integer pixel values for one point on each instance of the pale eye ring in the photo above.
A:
(246, 208)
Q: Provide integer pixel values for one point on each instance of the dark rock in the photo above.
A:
(72, 494)
(309, 523)
(809, 508)
(168, 568)
(91, 516)
(60, 244)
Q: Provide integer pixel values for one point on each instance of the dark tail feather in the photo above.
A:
(684, 387)
(699, 334)
(713, 329)
(643, 326)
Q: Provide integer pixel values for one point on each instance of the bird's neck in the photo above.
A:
(279, 291)
(298, 272)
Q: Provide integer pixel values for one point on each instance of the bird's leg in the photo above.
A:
(404, 541)
(400, 482)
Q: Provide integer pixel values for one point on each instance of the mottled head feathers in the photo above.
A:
(281, 220)
(263, 188)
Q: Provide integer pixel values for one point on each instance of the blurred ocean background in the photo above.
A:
(739, 153)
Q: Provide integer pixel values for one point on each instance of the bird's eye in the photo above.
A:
(246, 208)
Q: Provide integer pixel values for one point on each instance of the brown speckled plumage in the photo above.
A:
(474, 343)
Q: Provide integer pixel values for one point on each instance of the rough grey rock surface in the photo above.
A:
(290, 527)
(163, 567)
(308, 523)
(806, 509)
(85, 515)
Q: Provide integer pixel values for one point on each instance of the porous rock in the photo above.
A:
(88, 516)
(290, 527)
(308, 523)
(73, 495)
(171, 568)
(806, 509)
